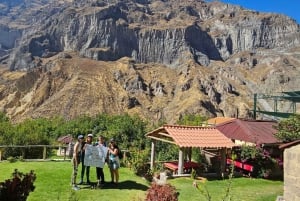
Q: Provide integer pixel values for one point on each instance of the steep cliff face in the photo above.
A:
(9, 38)
(158, 59)
(201, 31)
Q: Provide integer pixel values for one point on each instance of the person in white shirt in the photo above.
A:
(89, 141)
(99, 170)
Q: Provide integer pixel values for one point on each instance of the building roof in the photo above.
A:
(65, 139)
(218, 120)
(191, 136)
(289, 144)
(258, 132)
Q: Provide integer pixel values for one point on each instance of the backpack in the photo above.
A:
(120, 154)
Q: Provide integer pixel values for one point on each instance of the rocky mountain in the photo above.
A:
(158, 59)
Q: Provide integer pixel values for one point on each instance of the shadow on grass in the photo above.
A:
(215, 176)
(128, 184)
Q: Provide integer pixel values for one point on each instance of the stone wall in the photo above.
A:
(291, 174)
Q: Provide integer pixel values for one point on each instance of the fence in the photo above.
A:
(64, 150)
(44, 150)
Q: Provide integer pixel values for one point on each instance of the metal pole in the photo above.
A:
(254, 106)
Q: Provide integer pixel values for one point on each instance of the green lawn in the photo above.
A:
(53, 183)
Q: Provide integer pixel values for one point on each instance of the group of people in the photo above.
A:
(112, 158)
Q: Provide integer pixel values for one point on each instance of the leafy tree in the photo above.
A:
(80, 125)
(192, 120)
(55, 127)
(6, 129)
(128, 130)
(166, 151)
(289, 129)
(32, 131)
(100, 123)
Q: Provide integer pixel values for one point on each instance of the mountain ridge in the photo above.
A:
(211, 55)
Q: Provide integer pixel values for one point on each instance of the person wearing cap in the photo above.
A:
(114, 161)
(88, 141)
(76, 161)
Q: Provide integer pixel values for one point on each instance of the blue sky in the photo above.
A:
(290, 8)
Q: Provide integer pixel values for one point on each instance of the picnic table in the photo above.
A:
(244, 166)
(187, 166)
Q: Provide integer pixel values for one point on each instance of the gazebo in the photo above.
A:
(186, 137)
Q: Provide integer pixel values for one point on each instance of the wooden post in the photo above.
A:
(124, 155)
(180, 161)
(152, 163)
(223, 160)
(23, 152)
(0, 154)
(44, 152)
(189, 154)
(65, 152)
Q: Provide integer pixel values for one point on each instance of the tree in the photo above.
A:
(128, 130)
(289, 129)
(192, 120)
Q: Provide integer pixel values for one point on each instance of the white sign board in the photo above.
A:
(95, 155)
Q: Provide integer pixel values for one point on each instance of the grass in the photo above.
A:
(243, 189)
(53, 183)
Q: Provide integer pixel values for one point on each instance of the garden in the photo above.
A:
(50, 179)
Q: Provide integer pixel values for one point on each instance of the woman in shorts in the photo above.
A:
(114, 161)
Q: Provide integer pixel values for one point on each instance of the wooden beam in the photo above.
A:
(164, 134)
(159, 139)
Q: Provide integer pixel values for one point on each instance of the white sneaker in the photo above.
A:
(75, 188)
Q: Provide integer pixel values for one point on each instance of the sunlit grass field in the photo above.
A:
(53, 183)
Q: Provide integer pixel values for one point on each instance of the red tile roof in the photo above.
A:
(191, 136)
(257, 132)
(65, 139)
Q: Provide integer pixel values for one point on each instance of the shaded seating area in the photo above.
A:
(186, 138)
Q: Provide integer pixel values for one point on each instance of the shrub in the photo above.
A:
(11, 159)
(164, 192)
(260, 158)
(17, 188)
(288, 129)
(137, 160)
(149, 175)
